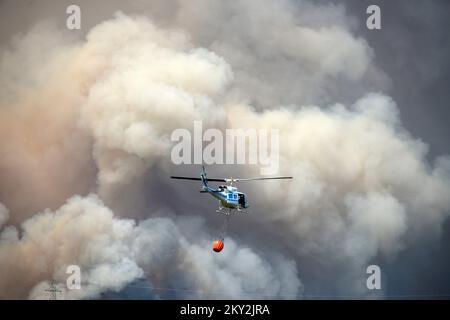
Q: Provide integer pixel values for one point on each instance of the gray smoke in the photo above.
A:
(85, 129)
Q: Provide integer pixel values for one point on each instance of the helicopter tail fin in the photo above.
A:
(203, 177)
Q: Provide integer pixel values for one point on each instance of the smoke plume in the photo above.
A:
(85, 129)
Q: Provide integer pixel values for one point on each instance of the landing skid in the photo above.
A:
(225, 211)
(242, 210)
(228, 211)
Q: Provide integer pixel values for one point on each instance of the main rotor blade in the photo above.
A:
(185, 178)
(197, 179)
(268, 178)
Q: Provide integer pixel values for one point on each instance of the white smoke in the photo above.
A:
(96, 116)
(362, 184)
(113, 252)
(4, 214)
(284, 52)
(167, 82)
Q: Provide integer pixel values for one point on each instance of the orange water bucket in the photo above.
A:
(217, 245)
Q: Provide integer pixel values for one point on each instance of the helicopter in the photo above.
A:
(231, 200)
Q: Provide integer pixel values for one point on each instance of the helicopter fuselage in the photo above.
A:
(228, 196)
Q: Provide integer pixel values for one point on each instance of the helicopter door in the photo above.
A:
(241, 200)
